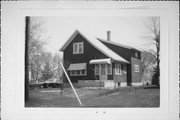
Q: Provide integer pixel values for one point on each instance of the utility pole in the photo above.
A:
(27, 30)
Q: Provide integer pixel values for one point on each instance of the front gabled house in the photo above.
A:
(93, 61)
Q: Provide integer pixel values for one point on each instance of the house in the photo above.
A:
(91, 61)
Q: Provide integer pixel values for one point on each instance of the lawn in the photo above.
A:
(90, 97)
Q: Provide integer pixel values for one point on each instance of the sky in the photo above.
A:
(128, 31)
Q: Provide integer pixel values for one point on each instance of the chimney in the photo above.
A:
(108, 35)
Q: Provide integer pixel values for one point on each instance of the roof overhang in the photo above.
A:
(77, 66)
(69, 40)
(99, 61)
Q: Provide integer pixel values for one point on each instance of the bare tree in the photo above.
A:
(148, 60)
(46, 66)
(57, 70)
(153, 26)
(36, 48)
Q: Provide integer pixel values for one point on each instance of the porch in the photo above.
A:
(108, 72)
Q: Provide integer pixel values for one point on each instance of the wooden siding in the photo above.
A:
(110, 77)
(90, 52)
(119, 78)
(133, 51)
(123, 52)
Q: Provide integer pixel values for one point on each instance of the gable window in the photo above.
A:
(118, 69)
(109, 67)
(136, 68)
(81, 48)
(78, 48)
(75, 48)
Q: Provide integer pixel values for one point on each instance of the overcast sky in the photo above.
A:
(124, 30)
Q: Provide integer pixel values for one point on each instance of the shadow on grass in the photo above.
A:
(152, 87)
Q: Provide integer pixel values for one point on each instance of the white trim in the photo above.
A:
(75, 74)
(100, 61)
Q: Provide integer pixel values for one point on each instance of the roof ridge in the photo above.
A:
(115, 43)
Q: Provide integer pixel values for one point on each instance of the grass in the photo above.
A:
(121, 97)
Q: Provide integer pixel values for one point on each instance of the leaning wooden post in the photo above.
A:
(27, 30)
(71, 83)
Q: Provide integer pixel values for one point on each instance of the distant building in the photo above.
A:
(90, 61)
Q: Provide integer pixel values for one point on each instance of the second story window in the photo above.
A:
(78, 48)
(136, 54)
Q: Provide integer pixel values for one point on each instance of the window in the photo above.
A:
(103, 69)
(136, 54)
(109, 67)
(72, 72)
(83, 72)
(77, 72)
(96, 69)
(124, 69)
(136, 68)
(75, 48)
(118, 69)
(78, 48)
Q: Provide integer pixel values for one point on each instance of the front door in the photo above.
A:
(103, 72)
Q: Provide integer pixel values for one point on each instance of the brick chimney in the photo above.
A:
(108, 35)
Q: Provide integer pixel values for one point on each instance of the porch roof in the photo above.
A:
(97, 61)
(77, 66)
